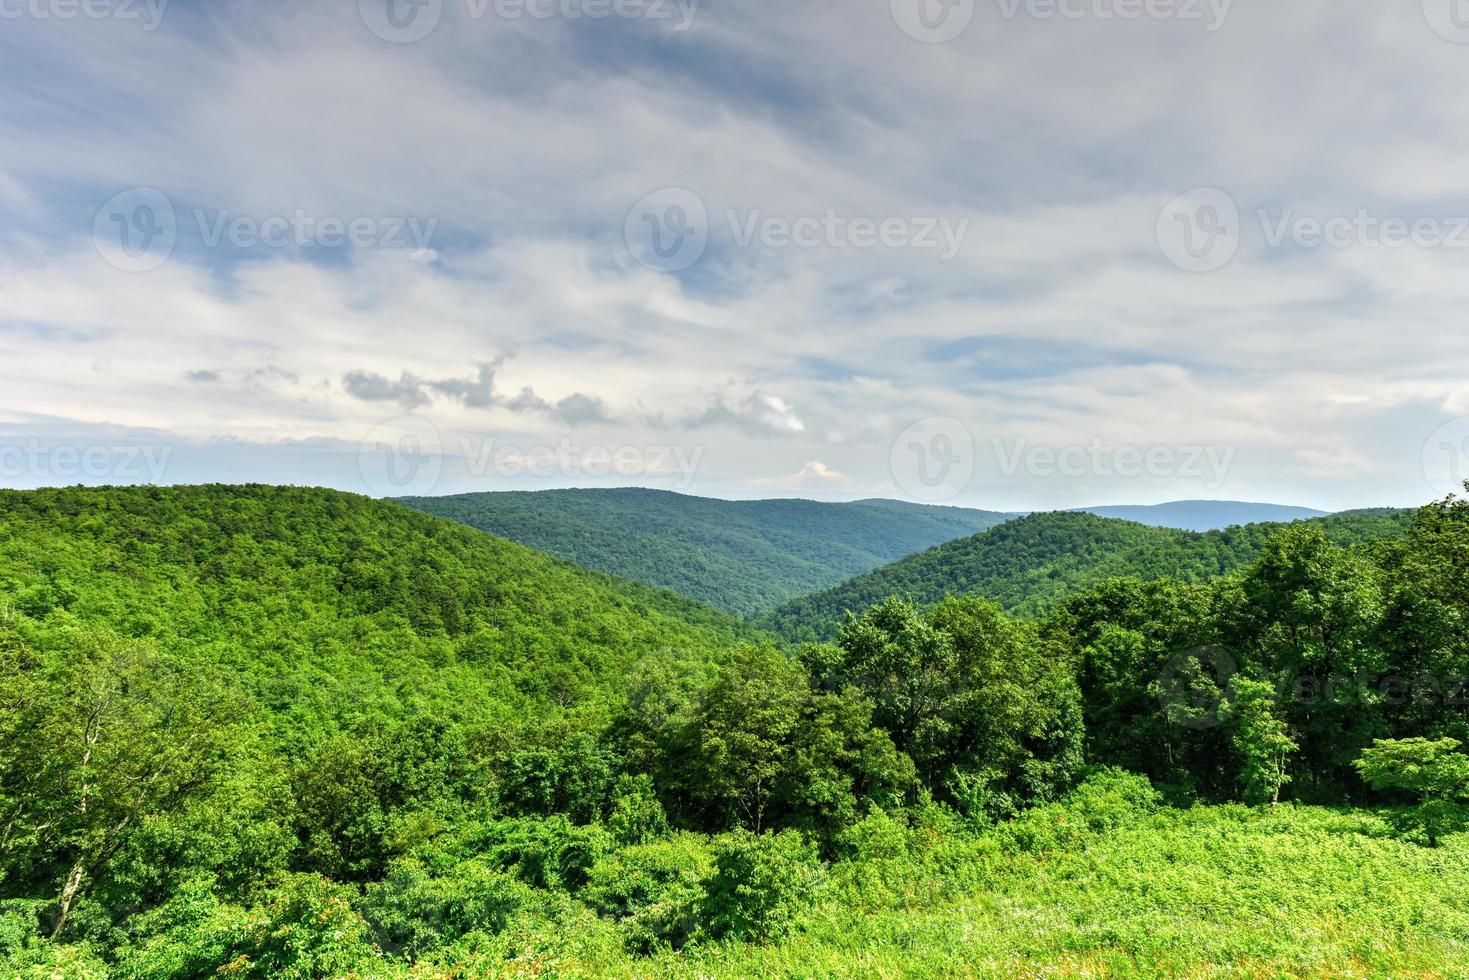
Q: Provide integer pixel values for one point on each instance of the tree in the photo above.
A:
(1308, 619)
(98, 740)
(972, 696)
(744, 732)
(1427, 621)
(840, 766)
(907, 667)
(1139, 644)
(1261, 739)
(1436, 772)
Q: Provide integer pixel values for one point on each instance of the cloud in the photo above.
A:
(579, 409)
(757, 414)
(1332, 463)
(814, 475)
(1059, 321)
(475, 392)
(406, 391)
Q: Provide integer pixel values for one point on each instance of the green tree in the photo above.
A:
(1137, 641)
(744, 731)
(1308, 619)
(1426, 625)
(907, 667)
(968, 693)
(761, 883)
(1434, 771)
(95, 742)
(1261, 739)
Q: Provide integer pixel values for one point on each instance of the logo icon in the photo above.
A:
(403, 457)
(401, 21)
(667, 230)
(933, 459)
(136, 230)
(933, 21)
(1193, 686)
(1199, 231)
(1448, 18)
(1446, 457)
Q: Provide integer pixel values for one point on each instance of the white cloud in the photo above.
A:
(1059, 321)
(814, 476)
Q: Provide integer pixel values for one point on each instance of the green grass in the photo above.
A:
(1205, 892)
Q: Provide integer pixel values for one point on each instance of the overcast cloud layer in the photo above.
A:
(740, 249)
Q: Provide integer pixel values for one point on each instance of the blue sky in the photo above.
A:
(1006, 254)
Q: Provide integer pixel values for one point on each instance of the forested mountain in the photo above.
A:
(277, 733)
(360, 610)
(1029, 564)
(1205, 515)
(742, 556)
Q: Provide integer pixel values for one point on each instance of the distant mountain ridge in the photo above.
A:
(741, 556)
(1031, 563)
(1205, 515)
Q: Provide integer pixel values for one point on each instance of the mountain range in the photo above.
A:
(741, 556)
(796, 565)
(1030, 564)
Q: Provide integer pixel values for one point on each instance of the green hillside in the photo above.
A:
(742, 556)
(1029, 564)
(334, 610)
(266, 733)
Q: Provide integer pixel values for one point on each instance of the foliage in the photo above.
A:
(261, 731)
(1434, 771)
(655, 891)
(1033, 564)
(414, 910)
(967, 694)
(742, 556)
(1261, 739)
(761, 883)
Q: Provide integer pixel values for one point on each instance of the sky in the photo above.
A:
(1012, 254)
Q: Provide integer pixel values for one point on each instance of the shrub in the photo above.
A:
(547, 852)
(760, 884)
(1436, 772)
(879, 836)
(413, 911)
(654, 891)
(1106, 800)
(306, 928)
(1110, 797)
(637, 816)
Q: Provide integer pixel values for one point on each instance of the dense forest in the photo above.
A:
(1031, 564)
(742, 556)
(264, 732)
